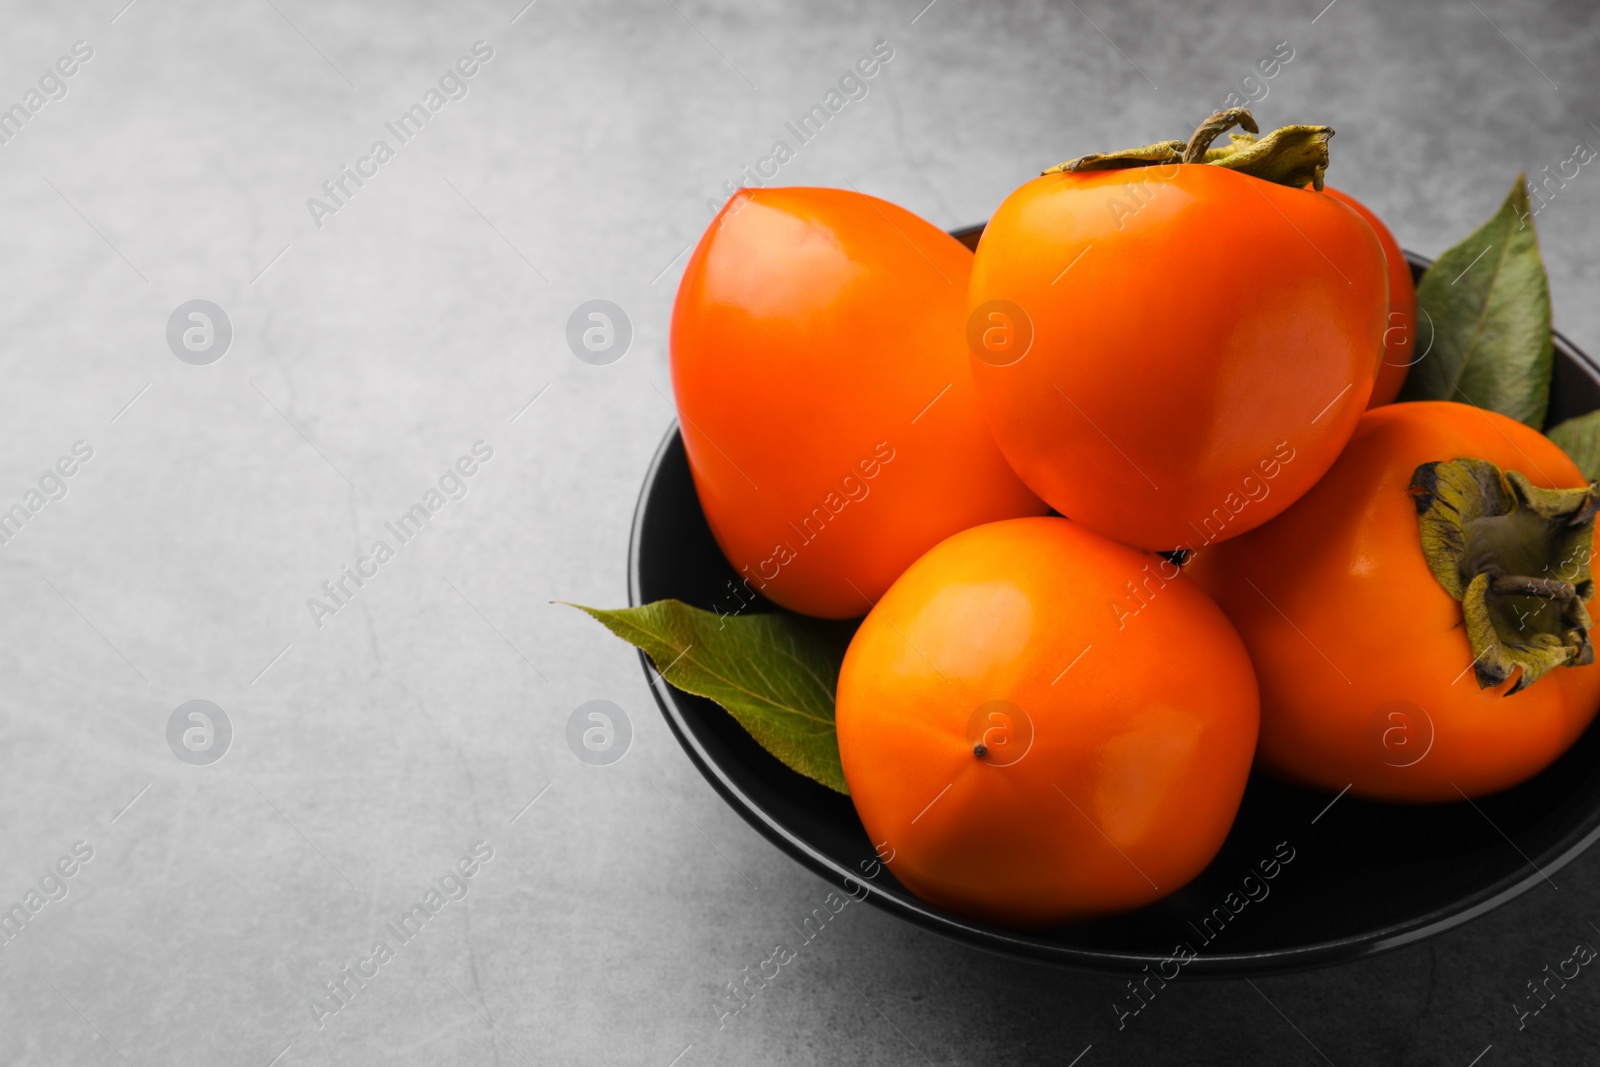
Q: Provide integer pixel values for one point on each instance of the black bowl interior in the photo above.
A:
(1364, 877)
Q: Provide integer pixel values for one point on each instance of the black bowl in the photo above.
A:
(1364, 877)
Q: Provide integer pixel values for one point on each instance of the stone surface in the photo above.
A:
(371, 752)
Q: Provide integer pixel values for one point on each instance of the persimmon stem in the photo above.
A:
(1520, 585)
(1296, 156)
(1215, 126)
(980, 750)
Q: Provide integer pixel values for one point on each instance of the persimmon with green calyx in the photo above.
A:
(1038, 724)
(824, 398)
(1419, 619)
(1148, 328)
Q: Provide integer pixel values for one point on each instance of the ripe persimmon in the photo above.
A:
(1177, 318)
(1038, 724)
(1418, 620)
(824, 398)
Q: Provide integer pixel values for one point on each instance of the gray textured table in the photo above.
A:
(376, 338)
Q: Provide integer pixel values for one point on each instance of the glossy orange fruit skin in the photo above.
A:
(1142, 725)
(1343, 617)
(1400, 333)
(1186, 321)
(824, 398)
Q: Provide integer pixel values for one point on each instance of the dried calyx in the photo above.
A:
(1517, 558)
(1296, 156)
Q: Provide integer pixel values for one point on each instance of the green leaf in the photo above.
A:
(1580, 438)
(774, 673)
(1489, 303)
